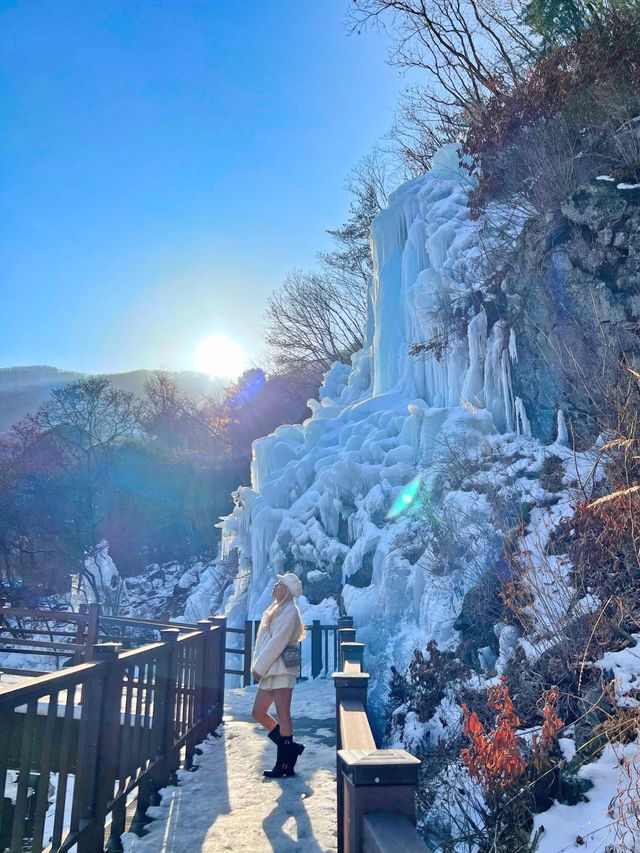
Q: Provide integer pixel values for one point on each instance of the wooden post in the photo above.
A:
(381, 780)
(348, 687)
(108, 748)
(345, 635)
(161, 713)
(345, 622)
(209, 662)
(246, 678)
(316, 648)
(221, 624)
(92, 630)
(88, 813)
(172, 758)
(353, 652)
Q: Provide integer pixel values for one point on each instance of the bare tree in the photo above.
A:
(420, 128)
(177, 421)
(316, 318)
(468, 46)
(468, 49)
(312, 321)
(89, 418)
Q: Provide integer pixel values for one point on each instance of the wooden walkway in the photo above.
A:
(148, 741)
(226, 804)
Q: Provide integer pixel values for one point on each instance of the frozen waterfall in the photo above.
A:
(321, 491)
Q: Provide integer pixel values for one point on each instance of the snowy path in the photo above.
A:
(228, 805)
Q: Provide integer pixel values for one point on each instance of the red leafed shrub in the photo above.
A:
(494, 758)
(497, 759)
(552, 725)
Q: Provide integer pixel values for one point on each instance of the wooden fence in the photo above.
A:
(80, 747)
(323, 649)
(376, 787)
(70, 637)
(66, 637)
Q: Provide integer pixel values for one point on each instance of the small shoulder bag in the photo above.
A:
(291, 655)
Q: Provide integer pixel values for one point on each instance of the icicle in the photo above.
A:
(507, 392)
(477, 339)
(513, 351)
(523, 427)
(563, 432)
(497, 393)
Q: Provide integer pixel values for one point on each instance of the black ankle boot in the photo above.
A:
(274, 734)
(296, 751)
(283, 765)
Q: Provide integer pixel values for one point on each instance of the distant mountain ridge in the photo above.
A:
(24, 388)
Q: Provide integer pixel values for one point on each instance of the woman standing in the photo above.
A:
(281, 626)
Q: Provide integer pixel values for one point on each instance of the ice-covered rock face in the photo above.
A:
(321, 492)
(426, 255)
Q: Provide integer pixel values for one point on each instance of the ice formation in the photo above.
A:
(100, 581)
(321, 491)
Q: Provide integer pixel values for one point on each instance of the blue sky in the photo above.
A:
(165, 162)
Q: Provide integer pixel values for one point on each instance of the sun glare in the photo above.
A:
(218, 355)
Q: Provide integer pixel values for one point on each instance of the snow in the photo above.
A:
(24, 660)
(625, 666)
(508, 636)
(205, 585)
(11, 790)
(608, 819)
(226, 804)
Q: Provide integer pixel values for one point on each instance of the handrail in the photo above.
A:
(54, 615)
(86, 628)
(375, 787)
(82, 636)
(136, 621)
(36, 686)
(107, 728)
(57, 647)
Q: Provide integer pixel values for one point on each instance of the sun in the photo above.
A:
(221, 356)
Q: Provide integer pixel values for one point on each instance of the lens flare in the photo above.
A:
(406, 498)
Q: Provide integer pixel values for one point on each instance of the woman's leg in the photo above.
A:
(261, 705)
(282, 698)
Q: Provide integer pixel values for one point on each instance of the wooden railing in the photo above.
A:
(65, 636)
(323, 651)
(71, 640)
(70, 637)
(133, 632)
(105, 736)
(376, 787)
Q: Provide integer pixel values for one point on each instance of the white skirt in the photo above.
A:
(272, 682)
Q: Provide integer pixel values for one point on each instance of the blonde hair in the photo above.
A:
(269, 613)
